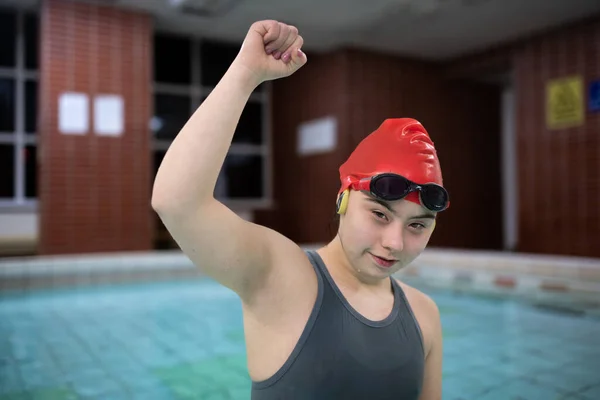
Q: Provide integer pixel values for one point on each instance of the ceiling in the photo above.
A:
(428, 29)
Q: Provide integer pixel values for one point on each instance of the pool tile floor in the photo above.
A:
(184, 340)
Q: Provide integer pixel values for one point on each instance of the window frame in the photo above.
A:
(19, 138)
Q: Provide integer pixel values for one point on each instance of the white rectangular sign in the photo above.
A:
(108, 115)
(73, 113)
(317, 136)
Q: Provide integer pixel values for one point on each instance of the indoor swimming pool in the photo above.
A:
(184, 340)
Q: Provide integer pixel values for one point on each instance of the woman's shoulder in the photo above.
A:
(417, 298)
(425, 310)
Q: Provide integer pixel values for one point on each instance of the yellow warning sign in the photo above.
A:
(564, 102)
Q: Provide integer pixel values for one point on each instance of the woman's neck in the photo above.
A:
(344, 273)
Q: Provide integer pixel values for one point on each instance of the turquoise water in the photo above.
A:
(185, 341)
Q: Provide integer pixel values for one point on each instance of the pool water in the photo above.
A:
(184, 340)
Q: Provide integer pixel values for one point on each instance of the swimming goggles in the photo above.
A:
(390, 187)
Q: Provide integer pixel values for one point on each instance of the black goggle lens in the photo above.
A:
(395, 187)
(434, 197)
(391, 188)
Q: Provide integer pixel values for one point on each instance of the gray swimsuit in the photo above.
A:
(342, 355)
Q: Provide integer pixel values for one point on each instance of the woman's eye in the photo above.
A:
(379, 215)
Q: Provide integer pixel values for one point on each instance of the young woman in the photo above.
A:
(325, 324)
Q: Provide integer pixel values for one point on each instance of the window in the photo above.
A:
(216, 58)
(8, 33)
(30, 162)
(7, 105)
(186, 70)
(31, 88)
(157, 159)
(172, 59)
(249, 129)
(7, 166)
(18, 107)
(171, 113)
(240, 177)
(31, 41)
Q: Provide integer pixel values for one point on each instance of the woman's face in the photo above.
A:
(379, 238)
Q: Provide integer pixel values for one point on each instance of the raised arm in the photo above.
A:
(234, 252)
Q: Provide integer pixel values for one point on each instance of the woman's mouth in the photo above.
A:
(383, 262)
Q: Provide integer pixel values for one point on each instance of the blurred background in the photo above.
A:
(96, 300)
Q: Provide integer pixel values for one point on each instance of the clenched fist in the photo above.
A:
(271, 50)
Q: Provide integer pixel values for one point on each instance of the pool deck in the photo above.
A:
(566, 282)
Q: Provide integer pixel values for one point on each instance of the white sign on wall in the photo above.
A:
(317, 136)
(73, 113)
(108, 115)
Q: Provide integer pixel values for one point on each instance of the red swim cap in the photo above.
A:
(401, 146)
